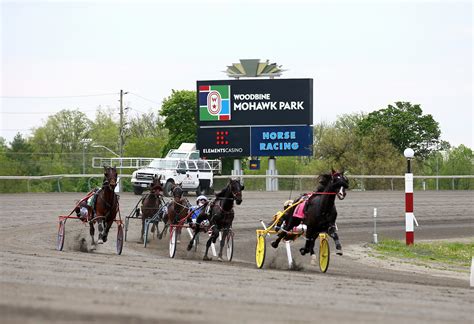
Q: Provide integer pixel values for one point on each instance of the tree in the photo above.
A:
(105, 129)
(58, 143)
(179, 111)
(20, 156)
(407, 127)
(146, 136)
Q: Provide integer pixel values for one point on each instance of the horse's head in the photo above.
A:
(177, 192)
(110, 177)
(236, 188)
(156, 186)
(339, 183)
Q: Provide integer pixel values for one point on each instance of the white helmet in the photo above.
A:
(201, 198)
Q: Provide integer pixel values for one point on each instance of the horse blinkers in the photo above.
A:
(236, 192)
(110, 174)
(341, 182)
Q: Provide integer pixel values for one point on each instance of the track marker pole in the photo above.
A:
(375, 226)
(472, 273)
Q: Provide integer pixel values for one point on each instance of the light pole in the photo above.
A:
(84, 141)
(409, 216)
(105, 147)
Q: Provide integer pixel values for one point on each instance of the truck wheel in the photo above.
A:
(137, 190)
(167, 189)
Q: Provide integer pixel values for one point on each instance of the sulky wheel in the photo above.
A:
(173, 240)
(323, 253)
(229, 245)
(145, 233)
(61, 233)
(260, 251)
(120, 239)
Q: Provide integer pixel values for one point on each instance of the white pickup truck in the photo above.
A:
(182, 166)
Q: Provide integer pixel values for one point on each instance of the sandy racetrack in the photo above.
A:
(40, 284)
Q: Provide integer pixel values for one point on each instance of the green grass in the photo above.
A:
(453, 253)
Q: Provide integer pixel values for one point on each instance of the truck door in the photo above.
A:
(191, 180)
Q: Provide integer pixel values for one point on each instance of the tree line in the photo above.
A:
(361, 144)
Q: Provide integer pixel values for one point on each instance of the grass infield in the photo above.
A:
(449, 253)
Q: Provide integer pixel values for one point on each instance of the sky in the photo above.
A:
(362, 55)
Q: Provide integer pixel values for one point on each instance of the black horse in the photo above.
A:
(151, 203)
(221, 215)
(105, 206)
(290, 222)
(320, 214)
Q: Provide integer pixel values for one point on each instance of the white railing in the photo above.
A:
(140, 162)
(298, 178)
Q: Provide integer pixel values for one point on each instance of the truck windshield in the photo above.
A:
(163, 164)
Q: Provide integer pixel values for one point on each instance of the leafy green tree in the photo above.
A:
(20, 156)
(407, 127)
(146, 136)
(105, 130)
(179, 111)
(58, 145)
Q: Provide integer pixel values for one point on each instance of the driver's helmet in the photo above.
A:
(201, 199)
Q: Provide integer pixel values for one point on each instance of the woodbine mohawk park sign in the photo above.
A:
(240, 118)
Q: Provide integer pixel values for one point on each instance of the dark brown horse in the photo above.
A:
(105, 206)
(151, 203)
(176, 209)
(222, 214)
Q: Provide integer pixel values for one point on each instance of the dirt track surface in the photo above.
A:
(41, 285)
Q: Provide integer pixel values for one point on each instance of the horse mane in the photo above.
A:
(222, 192)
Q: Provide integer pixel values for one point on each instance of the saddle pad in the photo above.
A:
(299, 210)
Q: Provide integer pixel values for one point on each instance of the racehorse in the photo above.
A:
(320, 211)
(151, 203)
(106, 205)
(221, 215)
(177, 209)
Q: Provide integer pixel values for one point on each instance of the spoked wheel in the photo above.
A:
(229, 245)
(260, 251)
(145, 234)
(120, 239)
(323, 253)
(173, 240)
(61, 233)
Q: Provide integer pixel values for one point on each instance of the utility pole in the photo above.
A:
(121, 139)
(121, 125)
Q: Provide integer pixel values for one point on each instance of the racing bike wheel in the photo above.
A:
(173, 240)
(323, 253)
(120, 238)
(61, 234)
(260, 251)
(229, 245)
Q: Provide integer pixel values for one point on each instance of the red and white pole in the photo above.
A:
(409, 216)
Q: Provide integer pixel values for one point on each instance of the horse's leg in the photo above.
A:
(101, 226)
(92, 232)
(333, 233)
(108, 225)
(225, 232)
(165, 227)
(196, 231)
(143, 230)
(212, 239)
